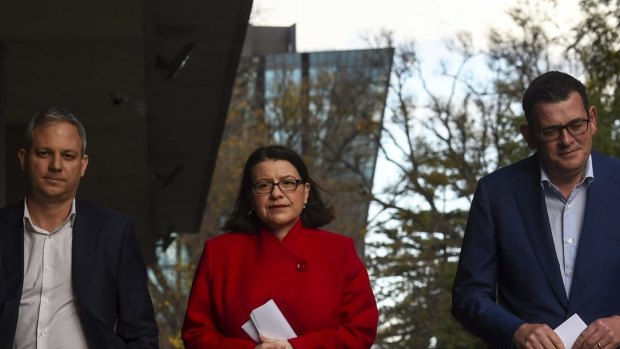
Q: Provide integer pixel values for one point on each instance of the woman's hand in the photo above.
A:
(268, 343)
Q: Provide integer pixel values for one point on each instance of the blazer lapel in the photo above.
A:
(82, 248)
(597, 224)
(12, 245)
(533, 211)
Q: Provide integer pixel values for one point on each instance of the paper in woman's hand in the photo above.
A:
(267, 320)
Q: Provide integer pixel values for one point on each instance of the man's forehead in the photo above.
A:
(42, 139)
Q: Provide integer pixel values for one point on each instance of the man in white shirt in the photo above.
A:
(71, 273)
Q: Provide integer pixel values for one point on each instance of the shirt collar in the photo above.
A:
(28, 219)
(588, 177)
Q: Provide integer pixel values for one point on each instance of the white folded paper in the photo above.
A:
(570, 329)
(267, 320)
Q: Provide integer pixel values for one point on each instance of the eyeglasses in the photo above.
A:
(284, 185)
(575, 128)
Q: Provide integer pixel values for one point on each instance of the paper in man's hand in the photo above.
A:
(570, 329)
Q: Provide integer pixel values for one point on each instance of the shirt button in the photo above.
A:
(570, 240)
(301, 266)
(45, 300)
(43, 333)
(48, 268)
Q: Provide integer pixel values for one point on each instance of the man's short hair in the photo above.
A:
(50, 115)
(551, 87)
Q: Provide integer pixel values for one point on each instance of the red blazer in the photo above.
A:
(315, 277)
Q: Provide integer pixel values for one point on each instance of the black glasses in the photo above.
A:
(284, 185)
(575, 128)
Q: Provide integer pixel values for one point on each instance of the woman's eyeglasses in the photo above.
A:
(284, 185)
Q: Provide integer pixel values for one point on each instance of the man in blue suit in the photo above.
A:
(71, 273)
(543, 235)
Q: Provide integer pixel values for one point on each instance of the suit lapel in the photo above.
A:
(12, 244)
(82, 243)
(602, 194)
(531, 203)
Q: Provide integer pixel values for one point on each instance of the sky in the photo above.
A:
(339, 24)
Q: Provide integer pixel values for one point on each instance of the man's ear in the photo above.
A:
(528, 135)
(84, 161)
(592, 115)
(22, 154)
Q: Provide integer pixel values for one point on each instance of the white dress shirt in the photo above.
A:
(48, 315)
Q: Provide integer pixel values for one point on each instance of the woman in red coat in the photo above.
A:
(273, 250)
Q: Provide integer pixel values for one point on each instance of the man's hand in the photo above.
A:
(537, 336)
(601, 334)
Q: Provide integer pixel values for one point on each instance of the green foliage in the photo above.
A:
(595, 45)
(169, 285)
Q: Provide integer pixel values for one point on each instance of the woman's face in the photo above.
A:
(278, 209)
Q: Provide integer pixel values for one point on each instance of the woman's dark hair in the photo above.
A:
(551, 87)
(316, 213)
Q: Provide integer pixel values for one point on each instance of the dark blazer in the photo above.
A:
(508, 251)
(109, 278)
